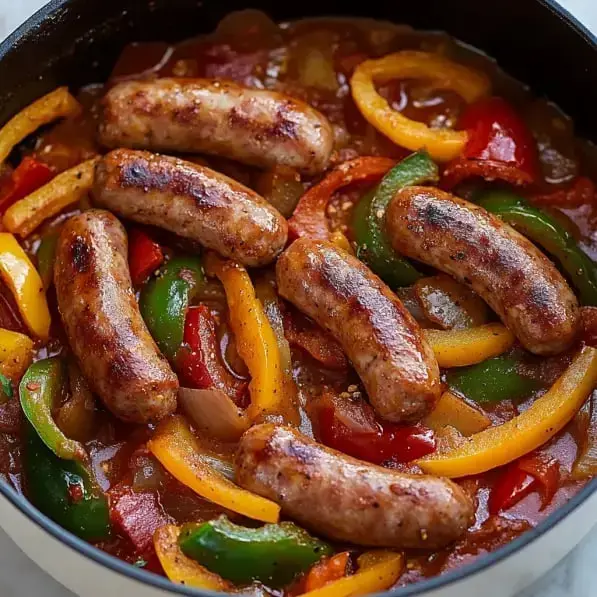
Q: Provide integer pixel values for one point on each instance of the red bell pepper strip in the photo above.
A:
(309, 217)
(533, 472)
(369, 439)
(308, 336)
(510, 488)
(138, 515)
(500, 146)
(198, 363)
(546, 472)
(581, 192)
(145, 256)
(28, 177)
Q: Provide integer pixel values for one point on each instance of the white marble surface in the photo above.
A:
(576, 576)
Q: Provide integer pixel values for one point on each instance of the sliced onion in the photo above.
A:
(214, 412)
(448, 438)
(585, 465)
(313, 61)
(449, 304)
(356, 416)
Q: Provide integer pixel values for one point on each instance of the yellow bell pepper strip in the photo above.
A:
(180, 569)
(441, 144)
(56, 104)
(24, 282)
(340, 239)
(270, 302)
(504, 443)
(256, 343)
(77, 418)
(16, 354)
(459, 348)
(68, 187)
(175, 446)
(378, 571)
(455, 412)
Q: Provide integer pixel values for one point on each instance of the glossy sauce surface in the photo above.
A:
(311, 60)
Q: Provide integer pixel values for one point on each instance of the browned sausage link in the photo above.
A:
(191, 201)
(346, 499)
(258, 127)
(102, 320)
(516, 279)
(379, 336)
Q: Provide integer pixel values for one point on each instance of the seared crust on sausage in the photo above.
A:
(378, 334)
(191, 201)
(105, 330)
(514, 277)
(346, 499)
(261, 128)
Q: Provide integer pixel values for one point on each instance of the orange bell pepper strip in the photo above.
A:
(16, 354)
(499, 445)
(68, 187)
(378, 571)
(175, 446)
(459, 348)
(26, 285)
(56, 104)
(455, 412)
(441, 144)
(327, 571)
(179, 568)
(28, 177)
(309, 217)
(256, 343)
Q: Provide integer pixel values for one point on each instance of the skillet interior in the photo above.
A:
(76, 42)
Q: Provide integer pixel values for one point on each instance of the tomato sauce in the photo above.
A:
(312, 60)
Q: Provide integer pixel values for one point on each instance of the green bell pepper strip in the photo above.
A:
(165, 300)
(5, 389)
(396, 271)
(64, 490)
(273, 554)
(547, 232)
(373, 245)
(41, 388)
(46, 254)
(492, 380)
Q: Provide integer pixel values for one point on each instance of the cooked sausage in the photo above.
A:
(504, 268)
(102, 321)
(191, 201)
(261, 128)
(346, 499)
(377, 333)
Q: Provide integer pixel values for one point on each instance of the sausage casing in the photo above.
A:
(503, 267)
(346, 499)
(105, 330)
(191, 201)
(380, 337)
(258, 127)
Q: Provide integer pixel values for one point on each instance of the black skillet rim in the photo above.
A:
(142, 576)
